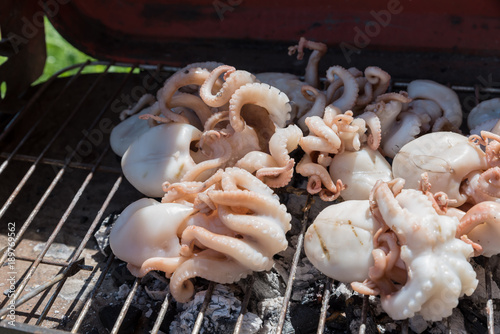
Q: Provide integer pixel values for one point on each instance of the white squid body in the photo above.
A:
(446, 157)
(339, 242)
(359, 171)
(148, 229)
(160, 155)
(125, 133)
(436, 262)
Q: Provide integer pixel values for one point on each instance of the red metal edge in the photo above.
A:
(152, 31)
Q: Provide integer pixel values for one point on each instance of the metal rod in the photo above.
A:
(364, 314)
(293, 269)
(61, 163)
(243, 309)
(324, 305)
(52, 140)
(489, 303)
(88, 303)
(58, 227)
(201, 314)
(70, 271)
(459, 88)
(126, 305)
(54, 263)
(40, 118)
(60, 173)
(161, 314)
(37, 95)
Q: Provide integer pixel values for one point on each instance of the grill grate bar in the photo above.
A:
(52, 140)
(293, 269)
(161, 314)
(63, 169)
(20, 114)
(324, 305)
(88, 303)
(61, 163)
(244, 304)
(45, 113)
(489, 303)
(204, 306)
(54, 234)
(459, 88)
(364, 314)
(126, 306)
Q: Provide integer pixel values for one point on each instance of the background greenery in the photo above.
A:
(61, 54)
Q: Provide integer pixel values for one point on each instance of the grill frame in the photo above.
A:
(75, 264)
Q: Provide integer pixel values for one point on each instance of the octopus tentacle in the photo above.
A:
(145, 100)
(194, 75)
(319, 50)
(265, 231)
(318, 108)
(489, 182)
(238, 249)
(318, 127)
(379, 78)
(259, 204)
(482, 213)
(220, 150)
(270, 98)
(307, 168)
(350, 94)
(207, 266)
(192, 102)
(234, 80)
(276, 177)
(375, 127)
(165, 264)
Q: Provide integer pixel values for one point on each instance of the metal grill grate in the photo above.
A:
(38, 172)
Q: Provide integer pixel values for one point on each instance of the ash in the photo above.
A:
(220, 317)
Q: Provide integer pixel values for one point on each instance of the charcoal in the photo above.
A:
(109, 313)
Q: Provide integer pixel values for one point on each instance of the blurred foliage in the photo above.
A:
(61, 54)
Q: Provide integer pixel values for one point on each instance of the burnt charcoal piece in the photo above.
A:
(304, 318)
(108, 315)
(475, 322)
(102, 234)
(121, 275)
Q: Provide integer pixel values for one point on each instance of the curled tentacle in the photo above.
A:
(145, 100)
(348, 98)
(379, 79)
(220, 151)
(263, 95)
(237, 249)
(375, 127)
(319, 50)
(189, 76)
(308, 169)
(234, 80)
(165, 264)
(318, 108)
(206, 265)
(192, 102)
